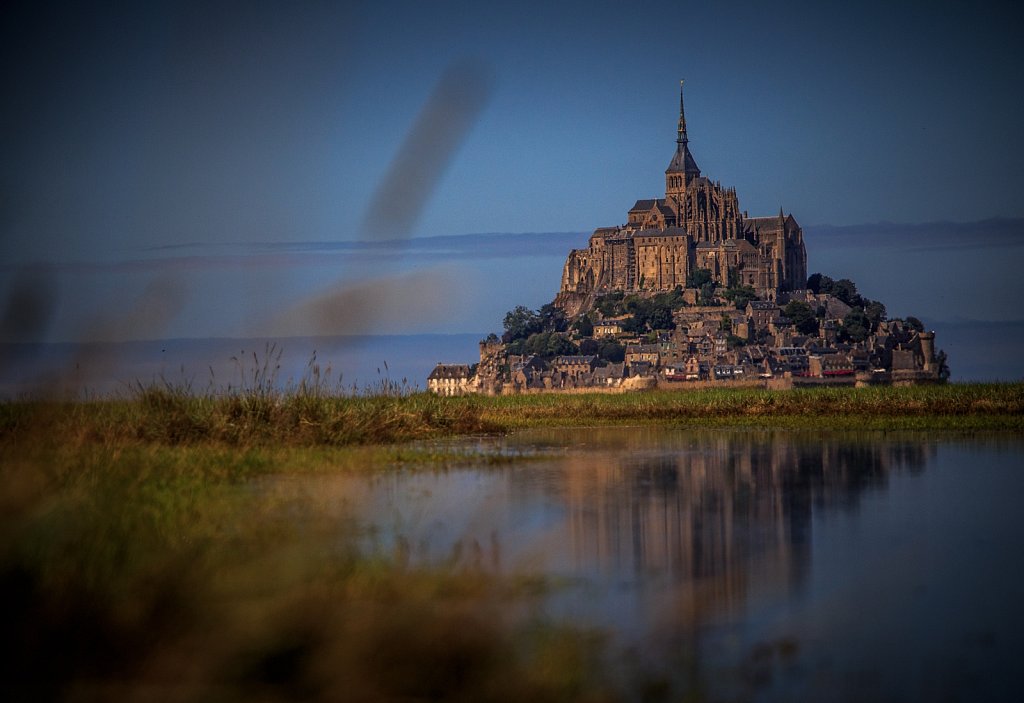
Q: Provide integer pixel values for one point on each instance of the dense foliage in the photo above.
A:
(802, 316)
(856, 327)
(541, 332)
(739, 295)
(583, 326)
(645, 314)
(698, 278)
(543, 344)
(521, 322)
(863, 319)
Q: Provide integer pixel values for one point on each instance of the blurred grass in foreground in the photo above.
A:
(140, 559)
(147, 571)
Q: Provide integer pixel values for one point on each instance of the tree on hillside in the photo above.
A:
(610, 304)
(520, 323)
(846, 290)
(707, 293)
(660, 318)
(552, 318)
(803, 317)
(819, 283)
(943, 361)
(856, 327)
(875, 311)
(672, 299)
(549, 344)
(612, 351)
(740, 295)
(914, 324)
(698, 278)
(634, 325)
(649, 314)
(583, 326)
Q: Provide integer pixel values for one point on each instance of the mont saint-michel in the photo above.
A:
(690, 291)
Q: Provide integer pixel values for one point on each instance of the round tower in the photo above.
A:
(928, 349)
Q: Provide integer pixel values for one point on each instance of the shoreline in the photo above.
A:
(266, 418)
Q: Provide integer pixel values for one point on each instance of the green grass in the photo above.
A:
(144, 570)
(951, 406)
(172, 417)
(139, 557)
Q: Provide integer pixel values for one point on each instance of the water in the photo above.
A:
(345, 363)
(743, 565)
(977, 352)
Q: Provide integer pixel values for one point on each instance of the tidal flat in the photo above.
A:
(715, 545)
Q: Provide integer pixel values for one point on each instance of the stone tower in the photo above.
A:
(697, 225)
(682, 169)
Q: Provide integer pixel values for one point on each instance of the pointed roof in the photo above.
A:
(682, 161)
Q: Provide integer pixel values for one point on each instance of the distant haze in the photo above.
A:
(205, 170)
(942, 272)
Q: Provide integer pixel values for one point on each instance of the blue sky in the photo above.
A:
(233, 131)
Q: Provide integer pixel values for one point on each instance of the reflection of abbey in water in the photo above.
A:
(706, 515)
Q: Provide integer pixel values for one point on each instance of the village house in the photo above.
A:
(574, 366)
(830, 365)
(451, 379)
(727, 372)
(608, 328)
(762, 313)
(649, 353)
(609, 375)
(675, 372)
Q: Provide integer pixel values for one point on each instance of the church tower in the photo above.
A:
(682, 169)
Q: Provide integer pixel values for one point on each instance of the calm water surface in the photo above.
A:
(747, 565)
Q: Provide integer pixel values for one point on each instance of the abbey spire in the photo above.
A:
(682, 169)
(681, 139)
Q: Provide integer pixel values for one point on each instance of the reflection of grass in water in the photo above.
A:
(136, 555)
(130, 571)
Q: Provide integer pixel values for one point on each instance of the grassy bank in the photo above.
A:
(161, 546)
(170, 417)
(199, 572)
(950, 407)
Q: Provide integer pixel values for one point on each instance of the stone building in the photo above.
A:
(697, 225)
(762, 313)
(574, 366)
(451, 379)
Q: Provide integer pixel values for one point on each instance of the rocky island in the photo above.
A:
(692, 292)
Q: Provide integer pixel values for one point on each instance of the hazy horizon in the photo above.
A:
(451, 284)
(263, 169)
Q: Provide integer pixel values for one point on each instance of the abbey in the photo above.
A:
(697, 225)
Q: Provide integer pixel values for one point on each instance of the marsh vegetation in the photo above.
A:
(139, 555)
